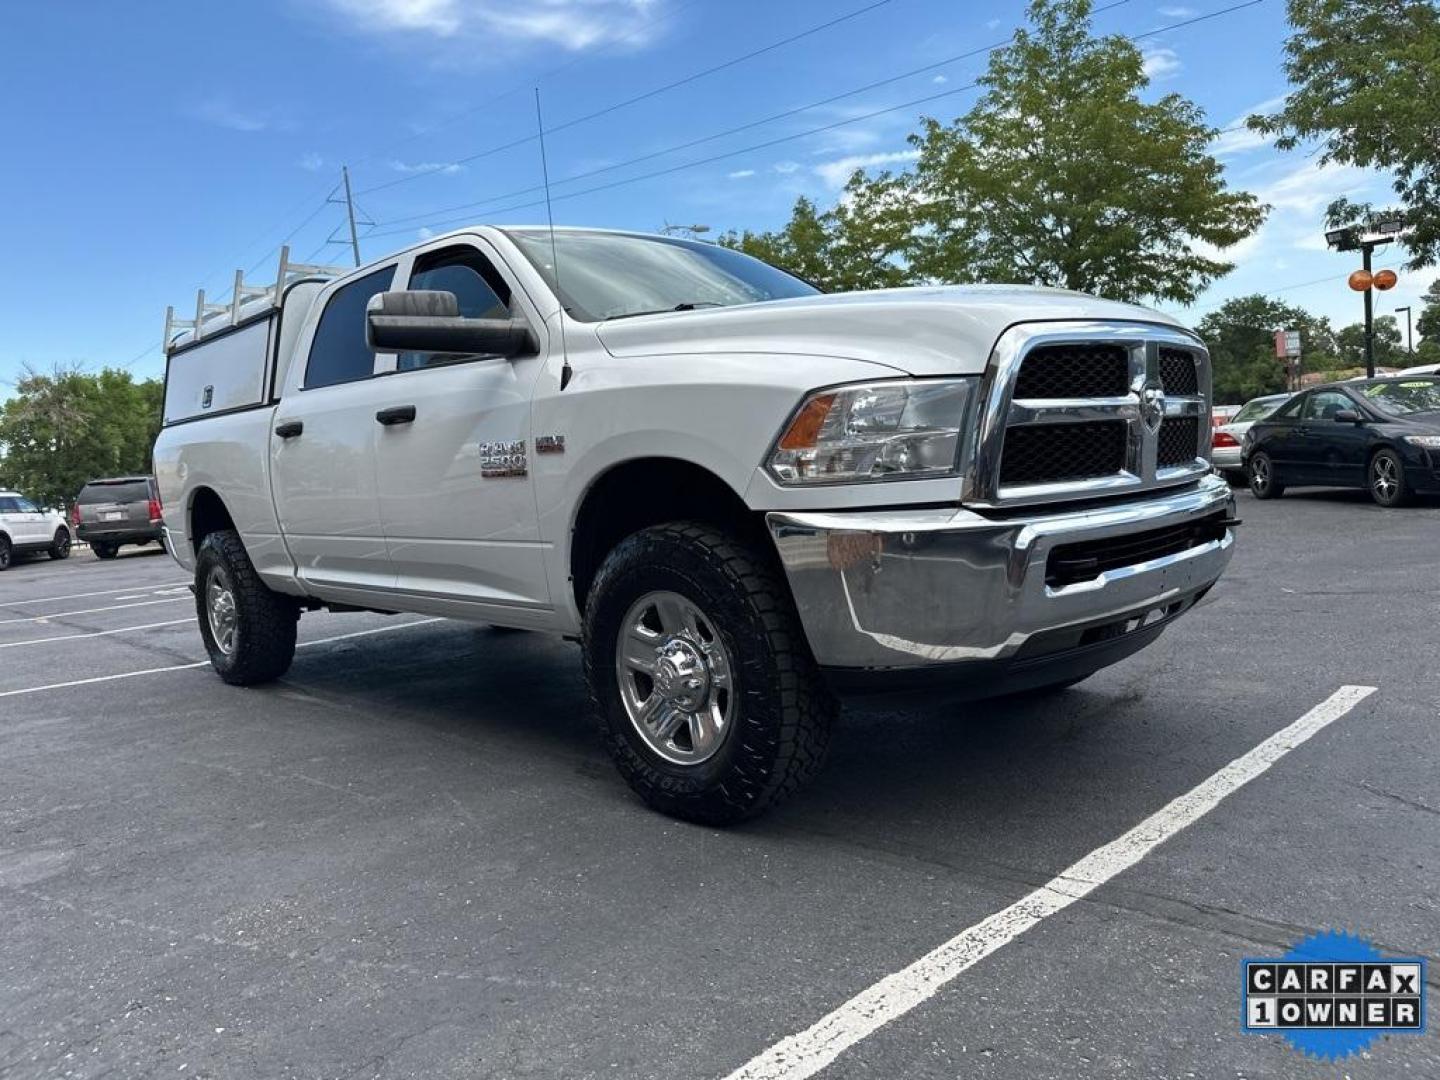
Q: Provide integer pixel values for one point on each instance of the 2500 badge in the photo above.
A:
(503, 458)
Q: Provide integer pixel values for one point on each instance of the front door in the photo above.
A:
(1331, 452)
(456, 496)
(322, 450)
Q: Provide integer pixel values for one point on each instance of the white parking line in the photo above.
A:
(203, 663)
(93, 610)
(94, 633)
(807, 1052)
(83, 595)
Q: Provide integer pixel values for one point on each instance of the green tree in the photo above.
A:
(1389, 344)
(1427, 322)
(1365, 78)
(1241, 337)
(63, 428)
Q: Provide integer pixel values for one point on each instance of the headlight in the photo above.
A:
(1429, 442)
(901, 430)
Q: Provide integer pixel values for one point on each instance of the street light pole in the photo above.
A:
(1409, 330)
(1367, 250)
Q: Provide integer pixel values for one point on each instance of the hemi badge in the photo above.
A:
(550, 444)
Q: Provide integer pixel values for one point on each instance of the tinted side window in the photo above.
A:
(7, 504)
(25, 506)
(480, 291)
(1291, 409)
(339, 353)
(1324, 405)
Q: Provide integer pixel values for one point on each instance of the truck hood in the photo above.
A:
(921, 331)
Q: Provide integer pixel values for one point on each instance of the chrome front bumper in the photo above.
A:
(911, 589)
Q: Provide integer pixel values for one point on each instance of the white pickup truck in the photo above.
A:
(743, 498)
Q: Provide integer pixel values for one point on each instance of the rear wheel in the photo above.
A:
(6, 553)
(60, 545)
(105, 551)
(1263, 482)
(704, 689)
(1387, 479)
(248, 629)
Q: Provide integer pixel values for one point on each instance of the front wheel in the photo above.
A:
(704, 689)
(248, 629)
(1387, 479)
(60, 545)
(1263, 482)
(6, 553)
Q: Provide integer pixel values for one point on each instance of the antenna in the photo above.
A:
(565, 370)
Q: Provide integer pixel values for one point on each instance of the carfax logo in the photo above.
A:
(1332, 995)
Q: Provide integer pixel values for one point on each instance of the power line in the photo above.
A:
(654, 92)
(428, 215)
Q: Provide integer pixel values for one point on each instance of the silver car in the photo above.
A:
(1225, 440)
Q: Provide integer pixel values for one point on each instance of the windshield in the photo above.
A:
(1258, 409)
(1405, 396)
(610, 275)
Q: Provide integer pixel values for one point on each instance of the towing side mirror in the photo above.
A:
(429, 321)
(1348, 416)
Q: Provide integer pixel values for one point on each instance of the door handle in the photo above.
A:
(288, 429)
(396, 414)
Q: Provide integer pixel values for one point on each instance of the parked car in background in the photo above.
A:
(1223, 414)
(1225, 439)
(117, 511)
(1422, 369)
(24, 528)
(1380, 434)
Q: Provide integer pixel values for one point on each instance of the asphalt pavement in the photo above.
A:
(410, 859)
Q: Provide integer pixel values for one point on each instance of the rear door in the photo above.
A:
(322, 448)
(455, 492)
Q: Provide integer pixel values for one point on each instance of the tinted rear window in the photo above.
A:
(129, 491)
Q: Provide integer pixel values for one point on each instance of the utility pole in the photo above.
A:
(1366, 251)
(1409, 330)
(355, 240)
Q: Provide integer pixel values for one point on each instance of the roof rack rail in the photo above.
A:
(212, 316)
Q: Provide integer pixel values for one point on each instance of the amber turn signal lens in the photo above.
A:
(1385, 279)
(1361, 280)
(804, 431)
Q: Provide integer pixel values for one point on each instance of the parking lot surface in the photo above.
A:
(409, 858)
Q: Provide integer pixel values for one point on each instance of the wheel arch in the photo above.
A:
(206, 514)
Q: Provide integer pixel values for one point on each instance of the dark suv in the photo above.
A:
(121, 510)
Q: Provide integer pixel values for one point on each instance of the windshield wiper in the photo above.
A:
(684, 305)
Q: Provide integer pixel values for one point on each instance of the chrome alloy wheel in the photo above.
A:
(676, 679)
(220, 609)
(1384, 477)
(1260, 470)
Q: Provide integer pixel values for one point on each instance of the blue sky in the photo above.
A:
(155, 147)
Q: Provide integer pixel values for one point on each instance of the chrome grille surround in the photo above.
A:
(1143, 409)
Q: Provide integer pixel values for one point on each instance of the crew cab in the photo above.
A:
(743, 498)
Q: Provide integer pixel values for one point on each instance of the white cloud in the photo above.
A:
(571, 24)
(1178, 12)
(785, 168)
(1310, 187)
(311, 162)
(1161, 64)
(424, 232)
(992, 24)
(1235, 138)
(448, 168)
(836, 172)
(223, 113)
(741, 174)
(939, 80)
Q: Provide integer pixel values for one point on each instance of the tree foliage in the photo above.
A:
(1241, 337)
(1060, 175)
(1389, 344)
(66, 427)
(1366, 83)
(1427, 321)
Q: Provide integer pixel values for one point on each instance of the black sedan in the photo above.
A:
(1380, 434)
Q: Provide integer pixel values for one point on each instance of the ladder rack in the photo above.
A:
(210, 317)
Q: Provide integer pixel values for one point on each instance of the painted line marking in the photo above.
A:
(807, 1052)
(85, 595)
(93, 610)
(204, 663)
(94, 633)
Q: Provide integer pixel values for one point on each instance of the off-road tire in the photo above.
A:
(783, 712)
(105, 551)
(60, 545)
(266, 620)
(7, 553)
(1263, 484)
(1399, 492)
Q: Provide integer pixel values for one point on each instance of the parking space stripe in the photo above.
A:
(807, 1052)
(84, 595)
(93, 633)
(94, 610)
(203, 663)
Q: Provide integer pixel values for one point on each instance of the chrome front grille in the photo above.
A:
(1077, 410)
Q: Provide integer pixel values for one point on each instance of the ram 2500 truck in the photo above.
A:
(743, 498)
